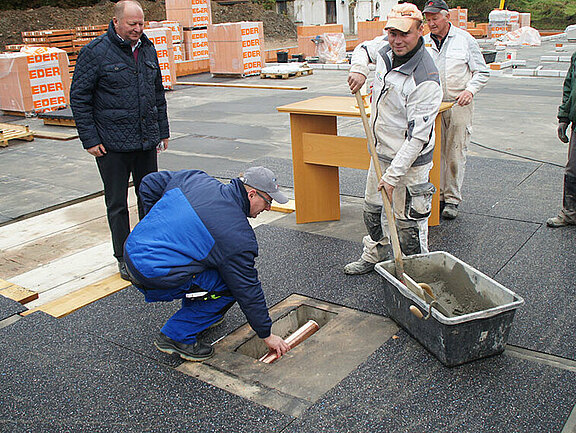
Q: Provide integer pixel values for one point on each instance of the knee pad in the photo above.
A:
(409, 236)
(372, 221)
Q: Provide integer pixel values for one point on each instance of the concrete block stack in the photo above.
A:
(501, 22)
(368, 30)
(459, 17)
(307, 33)
(236, 48)
(161, 37)
(177, 37)
(194, 16)
(34, 80)
(57, 38)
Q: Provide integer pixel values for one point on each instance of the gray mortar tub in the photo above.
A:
(480, 310)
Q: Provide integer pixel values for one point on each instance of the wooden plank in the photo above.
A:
(246, 86)
(51, 135)
(66, 269)
(288, 207)
(16, 292)
(80, 298)
(73, 285)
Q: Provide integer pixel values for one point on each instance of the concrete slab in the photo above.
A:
(402, 388)
(345, 339)
(60, 382)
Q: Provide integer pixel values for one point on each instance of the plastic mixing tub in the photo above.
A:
(479, 311)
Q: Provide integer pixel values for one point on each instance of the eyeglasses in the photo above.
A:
(269, 202)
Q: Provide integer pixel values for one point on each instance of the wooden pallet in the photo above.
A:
(59, 121)
(286, 75)
(14, 132)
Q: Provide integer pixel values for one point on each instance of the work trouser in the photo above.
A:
(569, 201)
(456, 132)
(115, 169)
(411, 202)
(195, 315)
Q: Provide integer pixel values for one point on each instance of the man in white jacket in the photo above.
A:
(406, 97)
(463, 73)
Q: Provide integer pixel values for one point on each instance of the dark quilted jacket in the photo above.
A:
(117, 101)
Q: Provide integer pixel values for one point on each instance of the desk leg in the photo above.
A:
(316, 187)
(434, 219)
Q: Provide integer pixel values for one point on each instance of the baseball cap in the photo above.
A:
(402, 16)
(264, 180)
(435, 6)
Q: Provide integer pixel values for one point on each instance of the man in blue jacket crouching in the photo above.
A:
(195, 244)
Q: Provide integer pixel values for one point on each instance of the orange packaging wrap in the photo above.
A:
(196, 44)
(34, 80)
(236, 48)
(189, 13)
(162, 40)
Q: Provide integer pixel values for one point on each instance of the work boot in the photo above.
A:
(450, 211)
(122, 269)
(359, 267)
(190, 352)
(558, 221)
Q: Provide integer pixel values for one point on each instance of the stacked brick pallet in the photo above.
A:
(236, 48)
(194, 16)
(161, 37)
(59, 38)
(34, 80)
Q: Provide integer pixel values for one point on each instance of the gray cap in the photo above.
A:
(435, 6)
(264, 180)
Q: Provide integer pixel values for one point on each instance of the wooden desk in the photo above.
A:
(318, 151)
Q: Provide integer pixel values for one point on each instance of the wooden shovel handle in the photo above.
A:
(387, 206)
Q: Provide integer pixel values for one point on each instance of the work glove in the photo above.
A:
(562, 127)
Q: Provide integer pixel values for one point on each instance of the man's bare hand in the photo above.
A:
(464, 98)
(98, 150)
(162, 146)
(355, 81)
(277, 344)
(387, 187)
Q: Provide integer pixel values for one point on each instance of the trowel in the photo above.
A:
(424, 292)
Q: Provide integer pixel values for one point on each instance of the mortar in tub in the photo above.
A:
(480, 309)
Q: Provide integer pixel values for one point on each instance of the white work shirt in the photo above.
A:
(460, 63)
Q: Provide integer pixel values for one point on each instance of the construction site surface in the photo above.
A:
(76, 350)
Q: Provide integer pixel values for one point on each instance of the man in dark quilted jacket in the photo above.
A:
(119, 108)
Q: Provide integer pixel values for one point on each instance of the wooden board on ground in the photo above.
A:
(287, 207)
(59, 121)
(9, 131)
(14, 113)
(16, 292)
(80, 298)
(64, 136)
(286, 75)
(246, 86)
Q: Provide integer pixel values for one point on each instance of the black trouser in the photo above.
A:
(115, 169)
